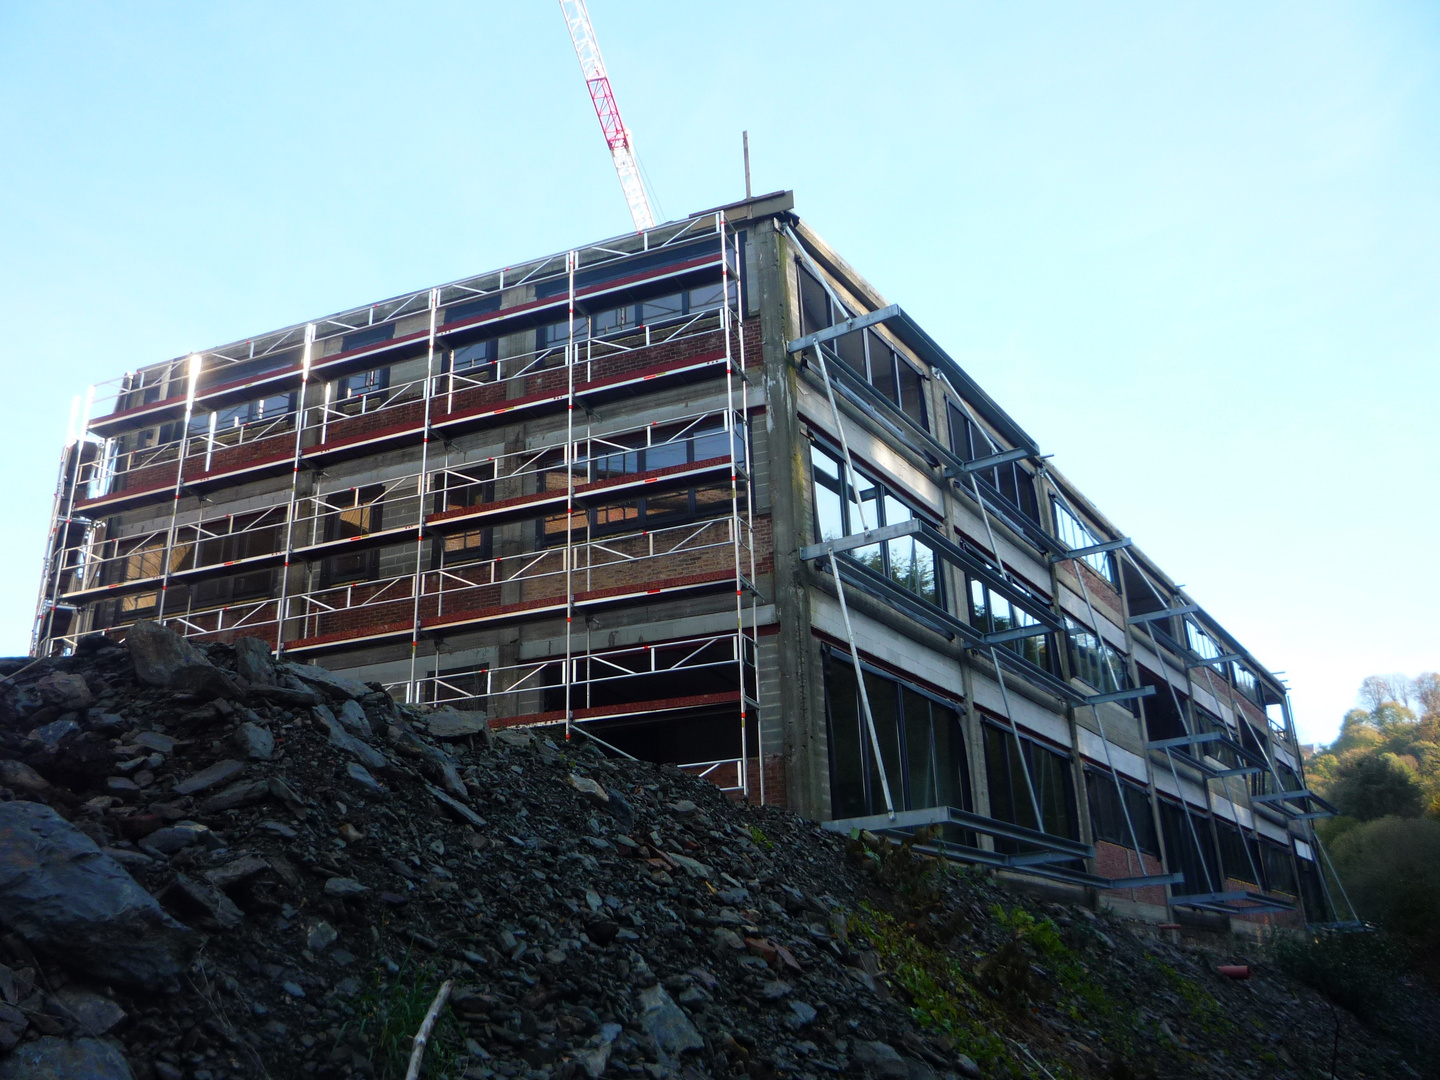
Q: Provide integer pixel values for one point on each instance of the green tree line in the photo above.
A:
(1383, 775)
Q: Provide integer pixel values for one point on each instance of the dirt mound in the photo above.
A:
(214, 866)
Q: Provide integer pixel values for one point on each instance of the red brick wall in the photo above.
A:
(1115, 861)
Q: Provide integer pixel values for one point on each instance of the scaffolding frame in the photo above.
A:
(584, 570)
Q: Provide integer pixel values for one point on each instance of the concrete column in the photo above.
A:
(802, 703)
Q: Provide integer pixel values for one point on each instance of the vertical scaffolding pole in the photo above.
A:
(749, 516)
(734, 430)
(79, 429)
(422, 482)
(570, 260)
(193, 381)
(283, 600)
(42, 604)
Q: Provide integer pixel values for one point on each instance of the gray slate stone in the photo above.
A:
(153, 740)
(335, 687)
(241, 793)
(344, 886)
(343, 740)
(13, 1023)
(352, 717)
(252, 661)
(880, 1059)
(235, 871)
(456, 807)
(64, 690)
(320, 935)
(666, 1023)
(361, 776)
(167, 841)
(191, 899)
(163, 658)
(454, 724)
(55, 732)
(65, 1059)
(219, 773)
(253, 742)
(97, 1014)
(66, 898)
(18, 775)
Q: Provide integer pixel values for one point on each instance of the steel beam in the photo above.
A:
(1092, 549)
(1224, 658)
(862, 539)
(1016, 634)
(1184, 740)
(849, 326)
(1121, 695)
(990, 461)
(1164, 613)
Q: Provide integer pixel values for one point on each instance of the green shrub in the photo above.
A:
(1391, 871)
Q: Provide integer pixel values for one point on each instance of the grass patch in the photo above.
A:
(758, 837)
(389, 1013)
(939, 995)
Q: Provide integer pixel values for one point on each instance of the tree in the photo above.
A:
(1373, 786)
(1389, 716)
(1376, 690)
(1391, 870)
(1426, 688)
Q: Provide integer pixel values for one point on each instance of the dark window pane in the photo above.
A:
(662, 309)
(919, 754)
(814, 304)
(887, 730)
(847, 757)
(851, 348)
(882, 370)
(912, 394)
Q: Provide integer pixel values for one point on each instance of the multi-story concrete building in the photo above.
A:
(701, 494)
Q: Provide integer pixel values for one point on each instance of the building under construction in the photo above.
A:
(699, 493)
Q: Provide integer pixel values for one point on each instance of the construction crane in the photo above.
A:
(617, 137)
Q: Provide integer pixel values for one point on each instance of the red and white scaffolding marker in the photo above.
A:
(617, 136)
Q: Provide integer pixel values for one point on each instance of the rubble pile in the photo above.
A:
(214, 865)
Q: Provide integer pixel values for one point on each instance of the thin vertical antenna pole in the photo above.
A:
(421, 484)
(570, 495)
(745, 139)
(283, 600)
(193, 381)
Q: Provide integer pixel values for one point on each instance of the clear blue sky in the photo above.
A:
(1194, 249)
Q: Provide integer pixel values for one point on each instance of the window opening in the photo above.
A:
(1108, 816)
(907, 561)
(1006, 763)
(920, 742)
(1074, 533)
